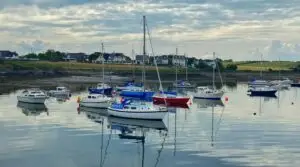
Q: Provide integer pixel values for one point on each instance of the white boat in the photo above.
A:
(262, 91)
(61, 90)
(137, 110)
(204, 92)
(96, 101)
(35, 96)
(210, 93)
(258, 83)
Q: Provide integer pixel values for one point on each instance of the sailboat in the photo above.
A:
(102, 88)
(210, 93)
(96, 100)
(281, 83)
(131, 85)
(182, 83)
(172, 100)
(127, 108)
(262, 90)
(140, 92)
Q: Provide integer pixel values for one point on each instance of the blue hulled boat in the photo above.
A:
(101, 88)
(262, 91)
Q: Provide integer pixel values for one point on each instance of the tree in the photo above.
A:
(94, 56)
(231, 67)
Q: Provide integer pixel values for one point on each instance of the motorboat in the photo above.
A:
(204, 92)
(32, 96)
(59, 91)
(171, 100)
(101, 88)
(95, 101)
(262, 91)
(137, 110)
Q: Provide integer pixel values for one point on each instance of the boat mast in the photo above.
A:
(144, 51)
(261, 56)
(133, 64)
(175, 60)
(186, 68)
(102, 46)
(212, 126)
(214, 66)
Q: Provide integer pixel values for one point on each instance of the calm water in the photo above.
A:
(246, 131)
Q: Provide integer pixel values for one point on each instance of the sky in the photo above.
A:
(234, 29)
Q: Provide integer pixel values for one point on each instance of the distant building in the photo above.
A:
(139, 59)
(6, 54)
(113, 58)
(162, 60)
(179, 60)
(78, 57)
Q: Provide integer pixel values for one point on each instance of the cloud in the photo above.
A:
(34, 46)
(283, 51)
(201, 26)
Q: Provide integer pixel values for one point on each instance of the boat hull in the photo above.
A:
(295, 85)
(33, 100)
(100, 105)
(137, 94)
(106, 91)
(171, 101)
(263, 93)
(153, 115)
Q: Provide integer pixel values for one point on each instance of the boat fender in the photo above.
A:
(226, 98)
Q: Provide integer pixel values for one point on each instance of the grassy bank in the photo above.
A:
(74, 66)
(264, 66)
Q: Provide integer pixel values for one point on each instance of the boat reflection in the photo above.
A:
(136, 130)
(204, 103)
(30, 109)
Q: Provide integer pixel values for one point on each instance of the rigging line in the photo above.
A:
(154, 59)
(105, 153)
(219, 121)
(159, 151)
(219, 71)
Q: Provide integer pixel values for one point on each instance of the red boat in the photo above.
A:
(172, 101)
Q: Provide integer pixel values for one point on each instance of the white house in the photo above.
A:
(179, 60)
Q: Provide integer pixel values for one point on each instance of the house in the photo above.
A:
(6, 54)
(113, 58)
(139, 59)
(118, 58)
(179, 60)
(162, 60)
(77, 57)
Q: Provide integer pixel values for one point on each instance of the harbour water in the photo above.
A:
(243, 131)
